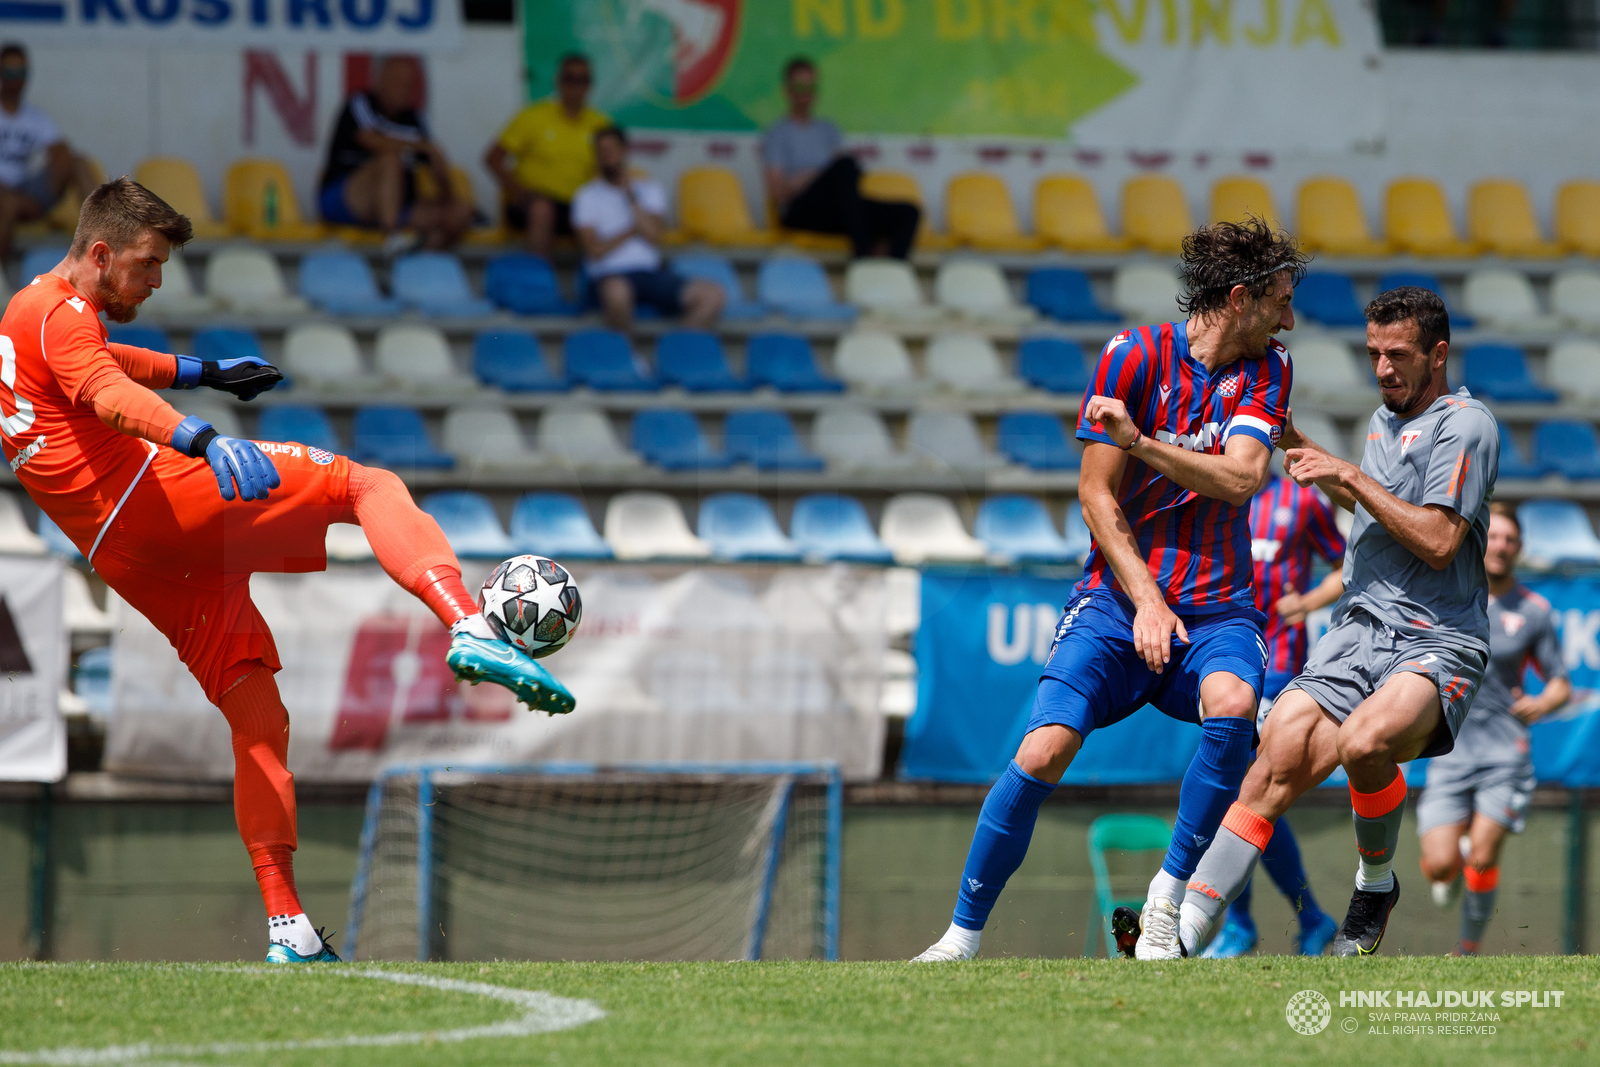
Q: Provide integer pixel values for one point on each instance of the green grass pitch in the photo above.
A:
(1017, 1011)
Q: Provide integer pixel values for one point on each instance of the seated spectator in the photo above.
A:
(620, 220)
(25, 131)
(378, 145)
(545, 153)
(816, 187)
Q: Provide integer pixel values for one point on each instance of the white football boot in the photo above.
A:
(944, 952)
(1158, 932)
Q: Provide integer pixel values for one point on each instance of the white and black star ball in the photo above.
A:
(532, 603)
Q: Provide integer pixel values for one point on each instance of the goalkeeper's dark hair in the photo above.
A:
(1412, 303)
(1225, 254)
(120, 210)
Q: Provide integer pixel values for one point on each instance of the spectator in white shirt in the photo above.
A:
(619, 220)
(26, 131)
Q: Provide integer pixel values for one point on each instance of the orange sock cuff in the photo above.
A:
(1377, 805)
(274, 866)
(1253, 828)
(442, 590)
(1486, 880)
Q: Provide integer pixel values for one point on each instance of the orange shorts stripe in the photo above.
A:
(1255, 829)
(1377, 805)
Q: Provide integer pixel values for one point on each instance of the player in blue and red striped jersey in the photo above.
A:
(1179, 424)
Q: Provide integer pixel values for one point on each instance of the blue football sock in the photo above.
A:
(1239, 910)
(1005, 826)
(1210, 785)
(1282, 862)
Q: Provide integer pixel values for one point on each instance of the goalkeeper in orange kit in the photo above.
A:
(176, 517)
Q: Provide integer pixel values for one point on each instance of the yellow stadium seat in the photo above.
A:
(1236, 198)
(1066, 212)
(1155, 214)
(980, 214)
(495, 233)
(1416, 218)
(804, 240)
(63, 217)
(1578, 217)
(898, 186)
(711, 207)
(259, 200)
(176, 181)
(1331, 220)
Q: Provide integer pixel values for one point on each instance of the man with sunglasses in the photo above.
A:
(26, 131)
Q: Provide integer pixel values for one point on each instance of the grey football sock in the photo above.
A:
(1476, 910)
(1221, 875)
(1377, 838)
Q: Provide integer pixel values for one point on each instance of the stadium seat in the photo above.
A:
(1066, 213)
(1146, 293)
(1500, 217)
(55, 539)
(341, 283)
(742, 526)
(1064, 293)
(604, 360)
(513, 361)
(1035, 439)
(854, 438)
(1503, 300)
(1574, 364)
(1155, 214)
(1577, 217)
(1324, 367)
(978, 209)
(716, 268)
(470, 524)
(694, 360)
(923, 528)
(418, 358)
(1076, 532)
(1330, 299)
(798, 287)
(41, 259)
(435, 284)
(556, 526)
(1395, 279)
(1567, 447)
(176, 181)
(1332, 220)
(896, 186)
(347, 543)
(712, 208)
(786, 362)
(1575, 296)
(1119, 833)
(1018, 529)
(1500, 372)
(151, 337)
(79, 613)
(968, 363)
(259, 201)
(248, 280)
(396, 437)
(582, 437)
(876, 362)
(887, 287)
(300, 423)
(767, 441)
(325, 357)
(1512, 463)
(949, 439)
(1416, 218)
(831, 526)
(644, 525)
(1235, 198)
(15, 537)
(225, 342)
(1321, 429)
(525, 285)
(975, 289)
(1556, 532)
(486, 438)
(671, 439)
(1055, 364)
(177, 295)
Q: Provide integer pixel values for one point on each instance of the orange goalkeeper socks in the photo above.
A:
(408, 543)
(274, 866)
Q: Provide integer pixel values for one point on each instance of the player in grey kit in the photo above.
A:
(1396, 673)
(1480, 790)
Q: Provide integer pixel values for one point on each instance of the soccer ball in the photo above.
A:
(532, 603)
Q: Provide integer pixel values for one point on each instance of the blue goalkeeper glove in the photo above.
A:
(245, 377)
(233, 461)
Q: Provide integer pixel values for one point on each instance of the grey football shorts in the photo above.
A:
(1498, 793)
(1359, 654)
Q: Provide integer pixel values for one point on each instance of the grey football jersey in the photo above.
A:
(1522, 633)
(1447, 455)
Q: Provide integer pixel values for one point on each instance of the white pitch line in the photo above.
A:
(542, 1013)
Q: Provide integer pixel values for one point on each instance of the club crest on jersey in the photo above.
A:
(1274, 433)
(1229, 385)
(1512, 622)
(320, 456)
(1282, 516)
(1406, 437)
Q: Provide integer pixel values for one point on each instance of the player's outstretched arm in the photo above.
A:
(246, 377)
(1431, 532)
(1235, 476)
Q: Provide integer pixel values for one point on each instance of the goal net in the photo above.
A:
(582, 862)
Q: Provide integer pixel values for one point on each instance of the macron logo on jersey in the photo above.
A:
(77, 305)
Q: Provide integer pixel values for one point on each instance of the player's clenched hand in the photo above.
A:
(1153, 627)
(246, 377)
(1307, 465)
(1112, 416)
(1525, 707)
(238, 464)
(1291, 609)
(1291, 435)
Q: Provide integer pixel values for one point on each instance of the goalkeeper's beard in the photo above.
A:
(116, 306)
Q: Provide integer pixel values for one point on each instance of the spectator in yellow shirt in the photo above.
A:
(545, 154)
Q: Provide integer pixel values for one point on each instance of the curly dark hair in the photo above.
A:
(1411, 303)
(1225, 254)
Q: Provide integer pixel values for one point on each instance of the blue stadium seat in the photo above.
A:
(1512, 465)
(1501, 373)
(1557, 531)
(694, 360)
(742, 526)
(1019, 528)
(513, 362)
(766, 440)
(341, 283)
(603, 359)
(1328, 298)
(435, 284)
(151, 337)
(1053, 363)
(396, 437)
(1396, 279)
(525, 284)
(225, 342)
(798, 287)
(828, 526)
(1076, 531)
(786, 362)
(671, 438)
(469, 522)
(1064, 293)
(40, 260)
(556, 525)
(57, 540)
(1036, 439)
(300, 423)
(715, 268)
(1567, 447)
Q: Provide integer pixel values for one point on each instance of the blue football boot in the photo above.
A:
(285, 954)
(1316, 934)
(475, 659)
(1236, 939)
